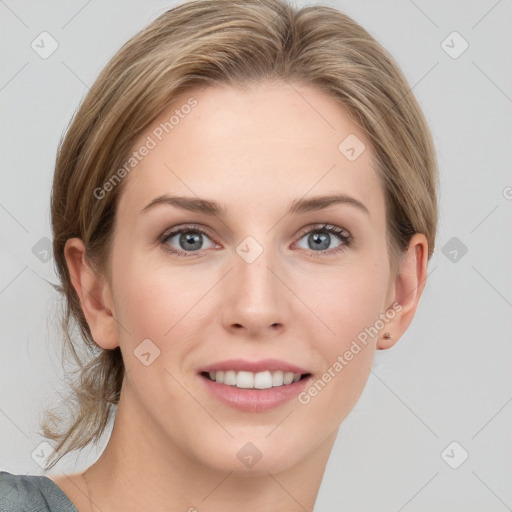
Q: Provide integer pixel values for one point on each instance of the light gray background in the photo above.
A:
(448, 379)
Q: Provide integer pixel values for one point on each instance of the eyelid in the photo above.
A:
(328, 227)
(182, 228)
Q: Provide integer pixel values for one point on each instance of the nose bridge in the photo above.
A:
(252, 266)
(256, 300)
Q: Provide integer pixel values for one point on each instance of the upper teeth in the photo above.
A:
(260, 380)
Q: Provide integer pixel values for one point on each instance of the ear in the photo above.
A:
(94, 293)
(406, 290)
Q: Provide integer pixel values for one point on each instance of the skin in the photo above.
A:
(174, 446)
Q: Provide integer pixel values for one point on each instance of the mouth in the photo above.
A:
(254, 380)
(254, 386)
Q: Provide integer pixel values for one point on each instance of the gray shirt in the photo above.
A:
(32, 493)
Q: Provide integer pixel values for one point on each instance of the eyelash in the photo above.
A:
(323, 228)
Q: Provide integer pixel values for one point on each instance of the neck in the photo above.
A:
(141, 468)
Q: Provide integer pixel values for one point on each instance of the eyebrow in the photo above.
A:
(297, 206)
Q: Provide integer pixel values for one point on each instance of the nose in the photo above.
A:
(256, 300)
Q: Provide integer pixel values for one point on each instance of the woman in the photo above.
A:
(243, 211)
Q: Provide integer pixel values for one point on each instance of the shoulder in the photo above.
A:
(32, 493)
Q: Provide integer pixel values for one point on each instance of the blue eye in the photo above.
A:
(190, 240)
(320, 237)
(188, 237)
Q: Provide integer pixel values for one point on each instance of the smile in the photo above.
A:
(251, 380)
(254, 386)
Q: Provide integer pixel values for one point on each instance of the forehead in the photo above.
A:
(260, 147)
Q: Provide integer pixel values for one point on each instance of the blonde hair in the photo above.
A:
(208, 42)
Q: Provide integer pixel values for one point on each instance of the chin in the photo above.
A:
(251, 455)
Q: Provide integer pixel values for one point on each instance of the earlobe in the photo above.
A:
(93, 291)
(409, 285)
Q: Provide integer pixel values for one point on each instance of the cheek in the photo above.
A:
(350, 304)
(159, 302)
(150, 305)
(347, 300)
(146, 299)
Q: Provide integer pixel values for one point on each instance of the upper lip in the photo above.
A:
(253, 366)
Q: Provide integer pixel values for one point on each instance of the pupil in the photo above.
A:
(187, 241)
(321, 241)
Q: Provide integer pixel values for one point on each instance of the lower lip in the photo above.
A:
(254, 400)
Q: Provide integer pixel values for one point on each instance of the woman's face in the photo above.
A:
(256, 280)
